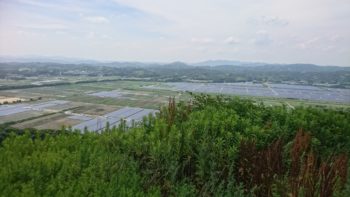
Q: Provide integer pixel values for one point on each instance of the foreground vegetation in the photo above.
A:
(212, 146)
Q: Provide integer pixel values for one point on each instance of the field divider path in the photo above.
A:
(272, 90)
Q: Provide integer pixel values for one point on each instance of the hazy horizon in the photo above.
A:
(314, 31)
(73, 60)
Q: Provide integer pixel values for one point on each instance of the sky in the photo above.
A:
(274, 31)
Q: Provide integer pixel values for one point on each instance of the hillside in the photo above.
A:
(213, 146)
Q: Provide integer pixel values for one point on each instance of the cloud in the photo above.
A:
(329, 48)
(202, 40)
(309, 43)
(96, 19)
(28, 33)
(335, 38)
(44, 26)
(54, 5)
(269, 21)
(97, 36)
(59, 32)
(232, 40)
(262, 38)
(91, 35)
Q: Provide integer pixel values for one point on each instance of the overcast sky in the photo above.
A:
(280, 31)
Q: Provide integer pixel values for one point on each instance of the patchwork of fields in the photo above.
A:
(267, 90)
(44, 116)
(92, 105)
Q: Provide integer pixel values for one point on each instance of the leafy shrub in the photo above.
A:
(212, 146)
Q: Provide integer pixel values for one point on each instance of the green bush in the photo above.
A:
(186, 150)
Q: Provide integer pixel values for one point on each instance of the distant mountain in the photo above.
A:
(305, 67)
(227, 62)
(217, 64)
(301, 68)
(177, 65)
(124, 64)
(45, 59)
(68, 60)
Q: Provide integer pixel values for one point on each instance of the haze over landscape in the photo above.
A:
(293, 31)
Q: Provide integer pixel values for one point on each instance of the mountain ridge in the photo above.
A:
(112, 63)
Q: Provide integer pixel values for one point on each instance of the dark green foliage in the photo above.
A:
(212, 146)
(67, 165)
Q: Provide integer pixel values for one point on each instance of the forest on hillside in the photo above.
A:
(176, 72)
(210, 146)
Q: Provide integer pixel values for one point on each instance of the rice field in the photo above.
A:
(129, 114)
(311, 93)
